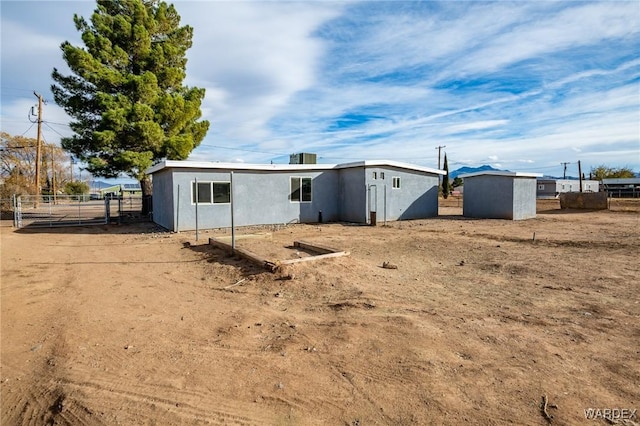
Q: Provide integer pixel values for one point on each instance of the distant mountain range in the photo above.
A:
(464, 170)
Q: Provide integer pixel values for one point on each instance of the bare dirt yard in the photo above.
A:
(483, 322)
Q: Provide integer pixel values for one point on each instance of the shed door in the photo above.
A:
(373, 204)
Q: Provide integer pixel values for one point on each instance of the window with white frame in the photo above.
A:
(381, 175)
(300, 189)
(541, 187)
(211, 192)
(395, 182)
(375, 175)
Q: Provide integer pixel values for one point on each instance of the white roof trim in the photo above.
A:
(389, 163)
(165, 164)
(500, 173)
(285, 167)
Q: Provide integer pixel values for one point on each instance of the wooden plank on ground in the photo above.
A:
(319, 257)
(318, 248)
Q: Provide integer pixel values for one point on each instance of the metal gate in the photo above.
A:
(60, 210)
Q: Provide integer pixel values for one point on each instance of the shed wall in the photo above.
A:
(524, 198)
(488, 196)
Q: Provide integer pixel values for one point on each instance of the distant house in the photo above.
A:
(500, 195)
(622, 187)
(121, 190)
(257, 194)
(552, 188)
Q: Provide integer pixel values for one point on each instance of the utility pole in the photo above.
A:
(580, 175)
(53, 174)
(439, 148)
(564, 175)
(38, 152)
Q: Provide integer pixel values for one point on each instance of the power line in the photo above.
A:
(59, 124)
(5, 88)
(54, 130)
(25, 132)
(245, 150)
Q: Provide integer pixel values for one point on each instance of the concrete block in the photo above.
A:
(584, 200)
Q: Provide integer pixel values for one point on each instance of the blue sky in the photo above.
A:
(519, 85)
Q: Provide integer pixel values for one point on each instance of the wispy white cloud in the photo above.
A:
(521, 84)
(575, 25)
(475, 125)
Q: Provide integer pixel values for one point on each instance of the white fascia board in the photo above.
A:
(501, 173)
(173, 164)
(176, 164)
(388, 163)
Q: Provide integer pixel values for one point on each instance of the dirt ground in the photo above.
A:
(482, 322)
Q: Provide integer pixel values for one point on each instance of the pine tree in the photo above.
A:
(126, 94)
(445, 179)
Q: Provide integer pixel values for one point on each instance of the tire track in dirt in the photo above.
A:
(142, 402)
(45, 402)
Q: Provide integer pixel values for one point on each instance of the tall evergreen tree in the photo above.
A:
(126, 94)
(446, 188)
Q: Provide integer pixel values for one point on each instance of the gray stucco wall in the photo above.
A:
(488, 197)
(262, 197)
(499, 197)
(353, 195)
(163, 207)
(259, 198)
(416, 198)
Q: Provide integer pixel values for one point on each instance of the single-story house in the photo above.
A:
(261, 194)
(551, 188)
(622, 187)
(121, 190)
(500, 195)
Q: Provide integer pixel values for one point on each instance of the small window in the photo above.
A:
(396, 182)
(221, 192)
(202, 192)
(300, 189)
(211, 192)
(381, 175)
(540, 187)
(375, 175)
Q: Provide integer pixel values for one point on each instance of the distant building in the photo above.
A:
(552, 188)
(121, 190)
(622, 187)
